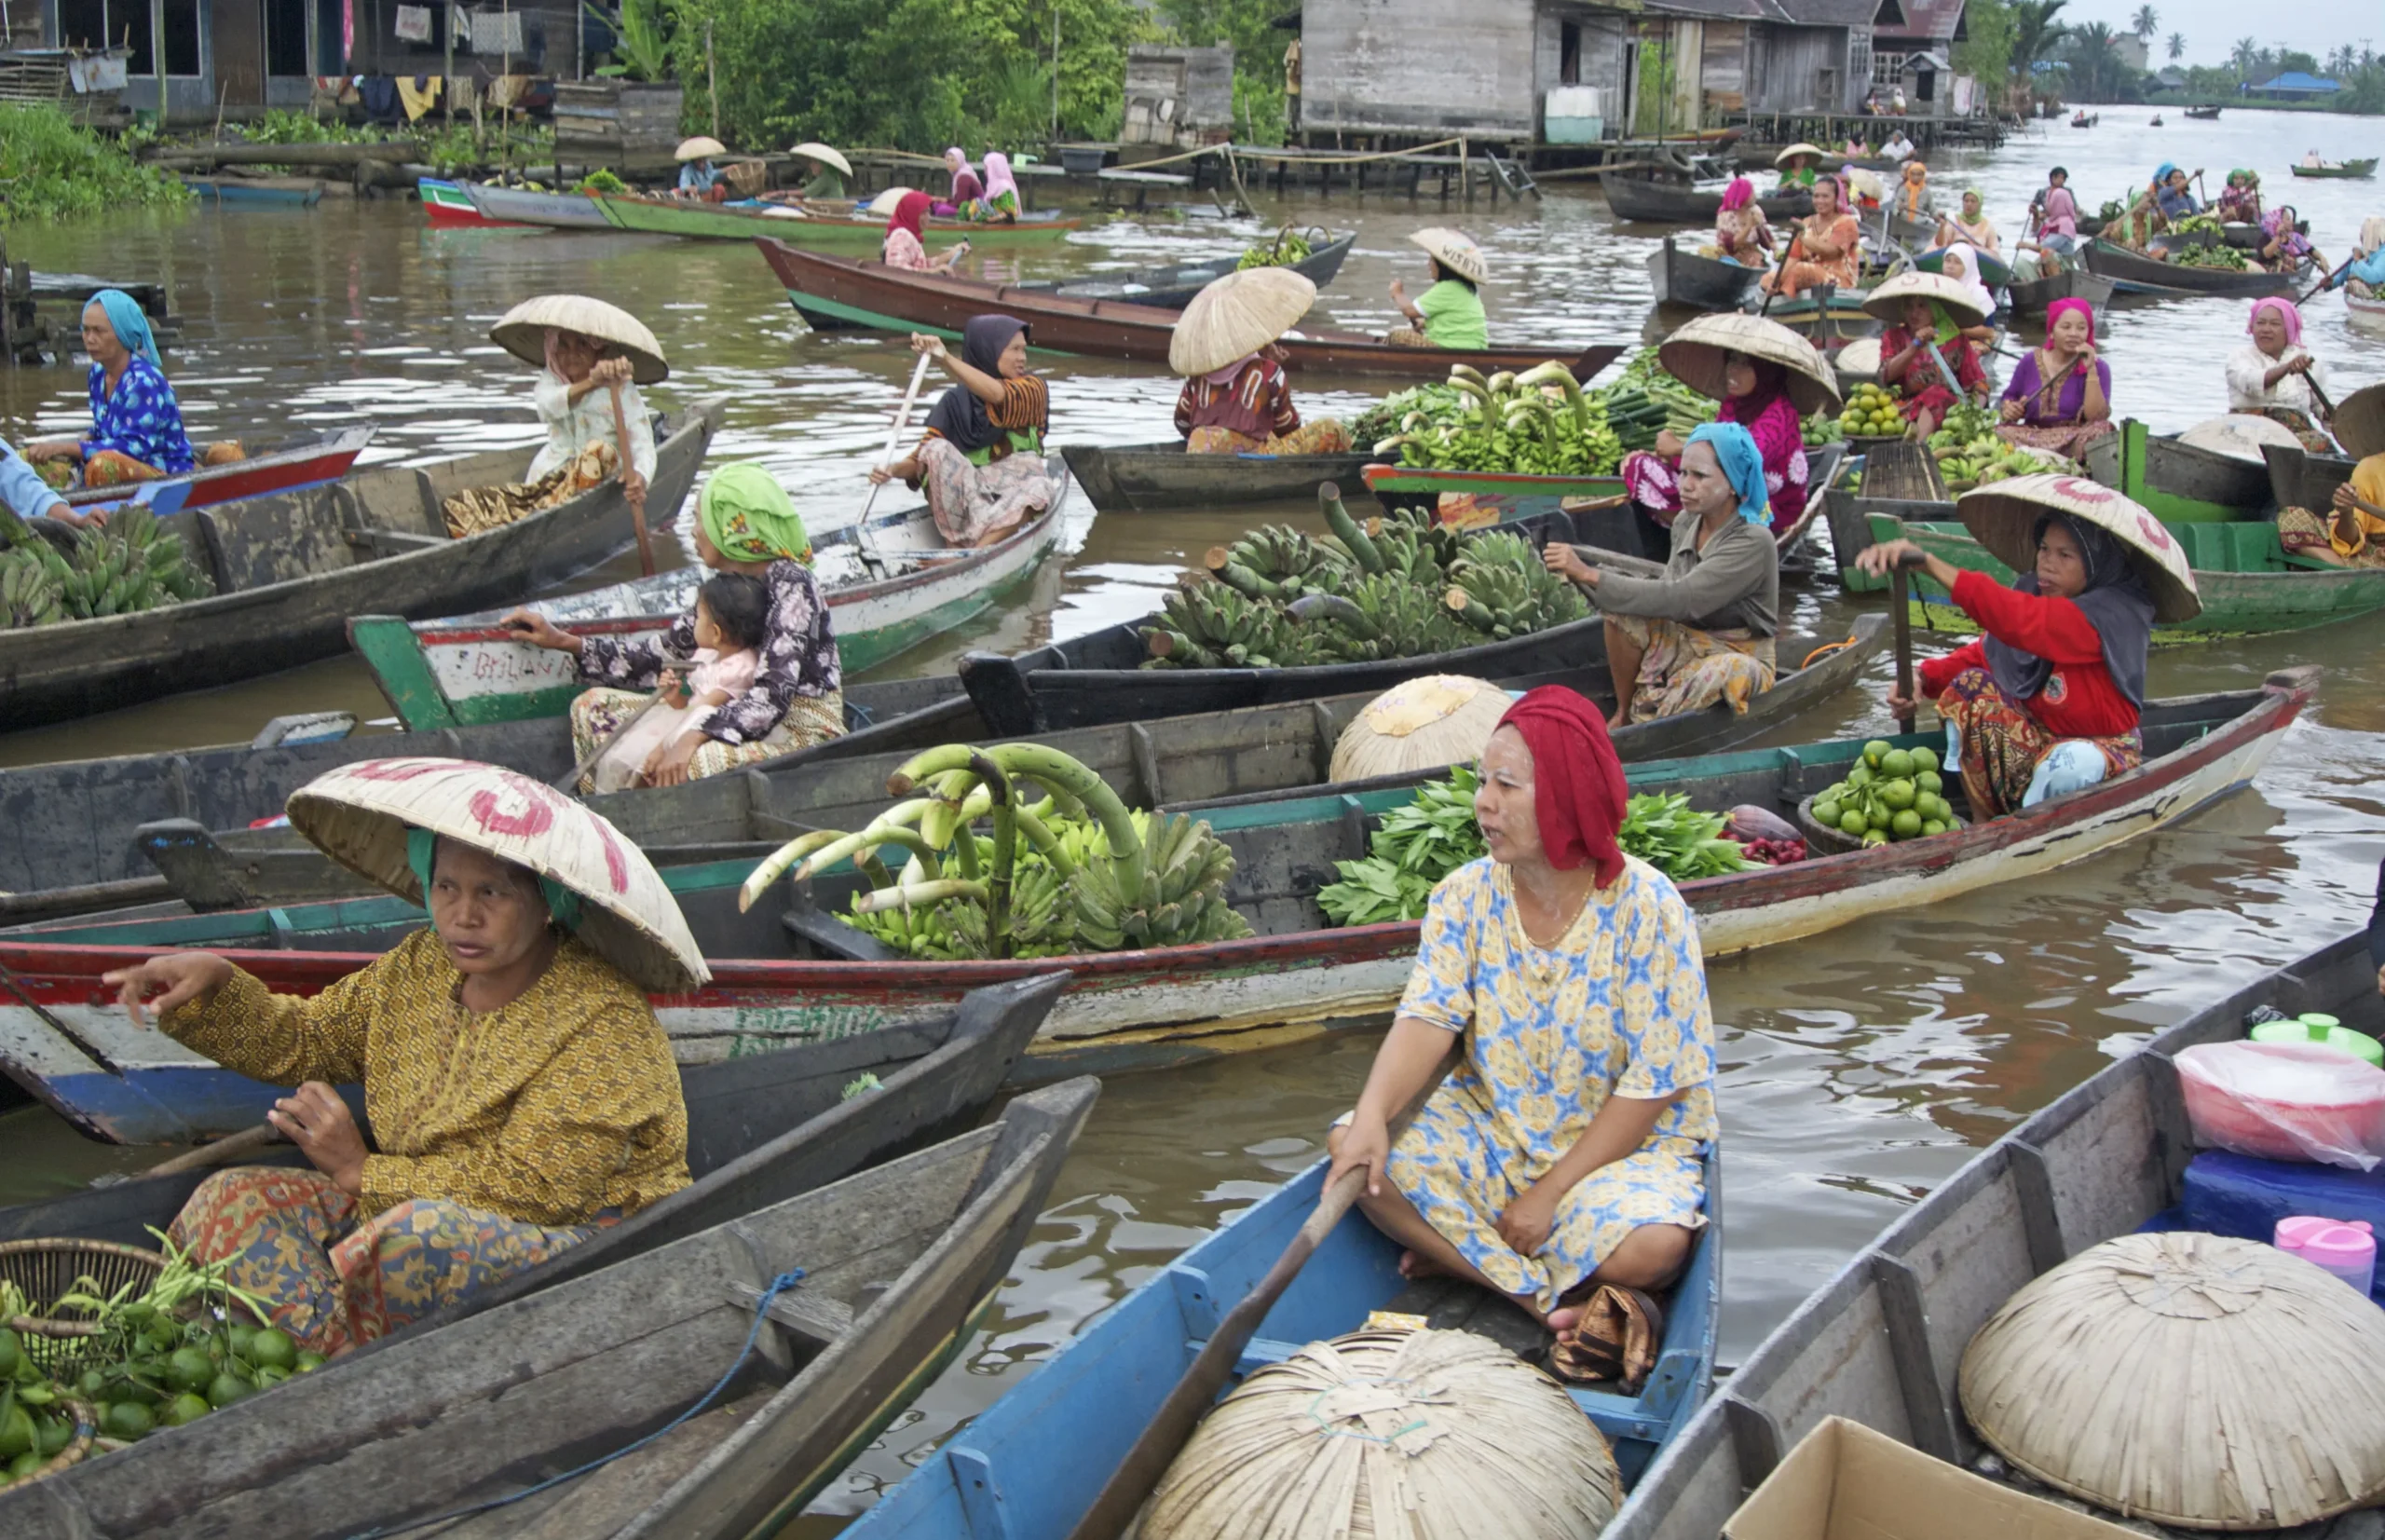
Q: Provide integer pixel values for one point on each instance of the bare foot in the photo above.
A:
(1415, 1268)
(1561, 1321)
(1620, 720)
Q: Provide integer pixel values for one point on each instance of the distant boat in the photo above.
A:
(2080, 120)
(2204, 114)
(2358, 171)
(2157, 121)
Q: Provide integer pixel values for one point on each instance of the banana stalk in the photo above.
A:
(1341, 611)
(917, 894)
(1555, 372)
(998, 787)
(1346, 528)
(1050, 768)
(1466, 608)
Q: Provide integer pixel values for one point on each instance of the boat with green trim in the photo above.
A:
(2178, 483)
(2357, 171)
(700, 221)
(1145, 478)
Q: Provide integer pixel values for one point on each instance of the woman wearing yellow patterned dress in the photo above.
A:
(522, 1095)
(1565, 1149)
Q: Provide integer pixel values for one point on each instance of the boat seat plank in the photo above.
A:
(269, 541)
(1927, 1408)
(591, 1504)
(815, 1316)
(1966, 1271)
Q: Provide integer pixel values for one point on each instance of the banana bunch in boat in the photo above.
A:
(1501, 588)
(1279, 561)
(1536, 423)
(132, 565)
(1216, 625)
(30, 594)
(1074, 870)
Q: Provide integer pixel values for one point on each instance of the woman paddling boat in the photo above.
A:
(2050, 700)
(906, 245)
(982, 460)
(1927, 357)
(2173, 195)
(2351, 531)
(1741, 236)
(1703, 631)
(1768, 379)
(823, 170)
(1236, 399)
(137, 432)
(1564, 1153)
(2273, 375)
(2059, 400)
(2365, 274)
(521, 1093)
(1826, 247)
(1450, 313)
(2284, 248)
(2239, 199)
(1973, 225)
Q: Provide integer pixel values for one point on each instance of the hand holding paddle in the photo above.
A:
(633, 483)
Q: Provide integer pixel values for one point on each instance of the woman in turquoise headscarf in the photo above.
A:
(744, 524)
(136, 423)
(1703, 631)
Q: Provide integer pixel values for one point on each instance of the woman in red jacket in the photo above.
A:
(2047, 700)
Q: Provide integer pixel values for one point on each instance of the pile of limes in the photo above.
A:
(1870, 413)
(1890, 794)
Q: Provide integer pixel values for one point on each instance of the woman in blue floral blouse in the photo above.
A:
(136, 421)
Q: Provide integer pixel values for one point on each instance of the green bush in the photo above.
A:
(51, 170)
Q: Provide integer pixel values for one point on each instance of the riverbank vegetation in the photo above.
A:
(2028, 52)
(51, 170)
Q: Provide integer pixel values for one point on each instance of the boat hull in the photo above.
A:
(1699, 283)
(2116, 262)
(2351, 171)
(696, 220)
(2178, 483)
(1149, 478)
(2029, 300)
(323, 460)
(1643, 201)
(448, 207)
(522, 206)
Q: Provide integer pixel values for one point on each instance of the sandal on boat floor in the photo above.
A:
(1616, 1339)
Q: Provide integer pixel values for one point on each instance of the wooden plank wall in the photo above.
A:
(1421, 66)
(1786, 64)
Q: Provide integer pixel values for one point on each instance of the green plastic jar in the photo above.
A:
(2326, 1031)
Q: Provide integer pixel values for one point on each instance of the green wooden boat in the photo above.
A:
(2177, 482)
(2249, 585)
(680, 216)
(2358, 171)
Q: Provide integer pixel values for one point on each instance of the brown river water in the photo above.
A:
(1858, 1069)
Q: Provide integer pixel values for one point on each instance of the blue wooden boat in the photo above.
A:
(1033, 1462)
(277, 192)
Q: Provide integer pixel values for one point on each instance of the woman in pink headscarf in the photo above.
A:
(2060, 398)
(2275, 376)
(1740, 234)
(966, 188)
(1000, 205)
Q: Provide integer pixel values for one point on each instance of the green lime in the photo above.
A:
(16, 1432)
(90, 1384)
(1875, 751)
(52, 1434)
(1898, 795)
(24, 1464)
(1852, 821)
(189, 1368)
(1826, 814)
(1924, 758)
(1880, 817)
(1897, 765)
(1875, 837)
(236, 1337)
(127, 1419)
(1905, 825)
(1931, 827)
(1859, 778)
(189, 1407)
(272, 1348)
(309, 1359)
(1929, 781)
(227, 1388)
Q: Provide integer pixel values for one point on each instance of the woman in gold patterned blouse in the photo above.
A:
(519, 1091)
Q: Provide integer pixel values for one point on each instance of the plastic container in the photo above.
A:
(2325, 1031)
(2285, 1101)
(2347, 1250)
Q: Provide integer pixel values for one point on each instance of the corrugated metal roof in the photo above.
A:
(1785, 13)
(1830, 13)
(2296, 80)
(1934, 19)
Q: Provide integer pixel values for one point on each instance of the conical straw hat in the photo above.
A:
(523, 331)
(701, 147)
(2193, 1380)
(2360, 422)
(811, 149)
(1454, 251)
(359, 815)
(1238, 314)
(2240, 436)
(1865, 183)
(1887, 300)
(1424, 724)
(1695, 355)
(2003, 517)
(885, 202)
(1800, 147)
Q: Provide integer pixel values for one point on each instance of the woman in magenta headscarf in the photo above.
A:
(2060, 398)
(2275, 376)
(907, 238)
(1740, 234)
(1564, 1155)
(1756, 397)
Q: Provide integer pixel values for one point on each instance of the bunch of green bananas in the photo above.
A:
(131, 565)
(1416, 547)
(1502, 587)
(1180, 900)
(1280, 563)
(1216, 625)
(29, 592)
(1381, 615)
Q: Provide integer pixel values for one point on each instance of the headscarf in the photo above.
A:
(1232, 372)
(1771, 383)
(747, 517)
(2236, 178)
(1578, 794)
(2061, 307)
(957, 158)
(959, 416)
(422, 847)
(910, 214)
(1742, 465)
(1738, 194)
(131, 326)
(998, 177)
(2162, 174)
(1916, 187)
(2114, 601)
(1974, 287)
(1969, 192)
(2287, 312)
(2371, 236)
(554, 365)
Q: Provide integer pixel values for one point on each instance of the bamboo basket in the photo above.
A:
(45, 1269)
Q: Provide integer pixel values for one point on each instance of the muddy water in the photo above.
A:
(1858, 1069)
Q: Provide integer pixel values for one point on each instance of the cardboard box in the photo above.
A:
(1845, 1482)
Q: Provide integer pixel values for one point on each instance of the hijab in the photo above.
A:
(998, 177)
(1975, 289)
(2161, 174)
(747, 517)
(1738, 194)
(2287, 312)
(1916, 185)
(1578, 795)
(2371, 236)
(958, 415)
(910, 214)
(422, 850)
(2061, 307)
(1742, 465)
(554, 365)
(131, 326)
(2114, 601)
(1771, 383)
(1224, 377)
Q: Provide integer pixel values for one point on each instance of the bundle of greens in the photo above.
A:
(130, 564)
(602, 181)
(2224, 258)
(1438, 403)
(1645, 400)
(1538, 423)
(1288, 249)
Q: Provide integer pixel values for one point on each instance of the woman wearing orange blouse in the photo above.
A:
(1825, 247)
(982, 461)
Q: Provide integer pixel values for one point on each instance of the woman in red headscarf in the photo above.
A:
(1565, 1149)
(906, 239)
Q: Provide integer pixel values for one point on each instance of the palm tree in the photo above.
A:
(2242, 56)
(2145, 22)
(2095, 60)
(2178, 46)
(2034, 33)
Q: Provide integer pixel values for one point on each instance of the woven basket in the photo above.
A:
(45, 1269)
(747, 177)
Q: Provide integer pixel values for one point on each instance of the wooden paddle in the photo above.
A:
(1900, 611)
(223, 1152)
(2325, 283)
(570, 779)
(635, 495)
(1778, 269)
(1122, 1496)
(867, 545)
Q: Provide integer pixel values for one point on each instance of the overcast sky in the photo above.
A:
(2213, 26)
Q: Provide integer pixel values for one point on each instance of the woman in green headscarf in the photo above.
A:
(745, 526)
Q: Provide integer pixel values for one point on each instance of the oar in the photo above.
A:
(1779, 268)
(571, 778)
(1901, 610)
(223, 1152)
(1177, 1417)
(636, 497)
(893, 438)
(2325, 283)
(48, 1019)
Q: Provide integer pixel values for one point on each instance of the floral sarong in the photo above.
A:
(2001, 742)
(1685, 669)
(975, 504)
(598, 714)
(1320, 436)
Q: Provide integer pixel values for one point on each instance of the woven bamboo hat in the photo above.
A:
(2241, 436)
(1453, 250)
(885, 202)
(1238, 314)
(811, 149)
(1800, 147)
(359, 815)
(1697, 354)
(2360, 422)
(1426, 1435)
(703, 147)
(1423, 724)
(1865, 183)
(1887, 300)
(523, 331)
(2193, 1380)
(2003, 517)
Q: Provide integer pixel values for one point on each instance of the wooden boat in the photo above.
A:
(895, 1266)
(448, 207)
(873, 295)
(526, 206)
(1644, 201)
(2365, 306)
(1700, 282)
(2178, 483)
(886, 596)
(2119, 262)
(2028, 300)
(2249, 585)
(2203, 115)
(1144, 477)
(701, 221)
(290, 568)
(257, 192)
(1297, 977)
(2357, 171)
(2300, 478)
(1829, 317)
(1096, 1396)
(291, 464)
(1879, 1341)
